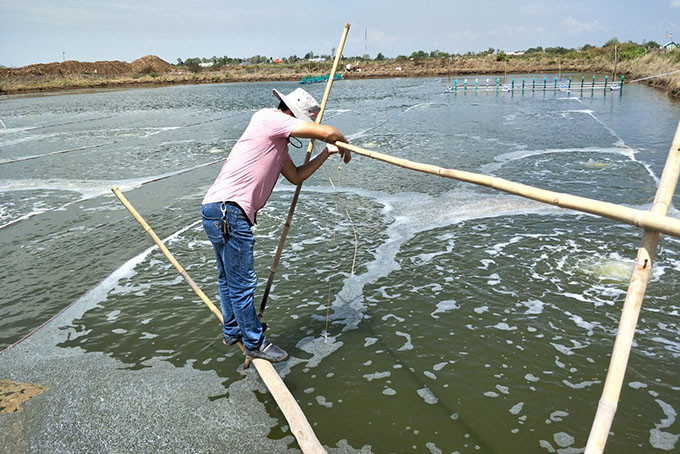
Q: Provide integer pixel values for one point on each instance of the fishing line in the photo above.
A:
(334, 241)
(335, 223)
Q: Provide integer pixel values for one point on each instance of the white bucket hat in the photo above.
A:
(300, 103)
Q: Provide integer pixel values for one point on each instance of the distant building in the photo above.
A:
(669, 46)
(206, 64)
(515, 52)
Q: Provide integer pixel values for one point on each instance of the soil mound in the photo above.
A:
(107, 68)
(150, 63)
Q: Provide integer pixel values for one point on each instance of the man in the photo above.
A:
(243, 186)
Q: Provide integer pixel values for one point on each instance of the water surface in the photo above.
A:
(470, 320)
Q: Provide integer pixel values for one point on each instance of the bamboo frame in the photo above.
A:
(299, 426)
(293, 204)
(640, 218)
(632, 305)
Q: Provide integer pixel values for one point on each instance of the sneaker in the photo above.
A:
(229, 340)
(268, 351)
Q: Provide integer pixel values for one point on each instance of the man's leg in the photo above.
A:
(213, 229)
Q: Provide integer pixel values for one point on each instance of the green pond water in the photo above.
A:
(466, 320)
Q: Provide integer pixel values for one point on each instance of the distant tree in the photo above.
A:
(587, 47)
(490, 51)
(293, 59)
(380, 56)
(193, 64)
(501, 56)
(418, 54)
(179, 62)
(559, 50)
(401, 58)
(438, 54)
(612, 42)
(534, 50)
(309, 55)
(651, 45)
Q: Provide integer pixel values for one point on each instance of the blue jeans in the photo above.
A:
(237, 280)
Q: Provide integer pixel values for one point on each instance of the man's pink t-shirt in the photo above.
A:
(250, 172)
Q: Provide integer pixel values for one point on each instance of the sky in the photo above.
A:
(43, 31)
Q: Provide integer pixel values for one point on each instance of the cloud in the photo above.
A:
(460, 35)
(379, 37)
(674, 4)
(518, 30)
(575, 26)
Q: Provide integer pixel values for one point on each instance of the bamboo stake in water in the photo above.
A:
(299, 425)
(631, 307)
(640, 218)
(291, 211)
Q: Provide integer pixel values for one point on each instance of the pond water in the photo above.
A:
(459, 318)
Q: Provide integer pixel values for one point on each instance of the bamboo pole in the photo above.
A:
(631, 307)
(640, 218)
(299, 426)
(291, 211)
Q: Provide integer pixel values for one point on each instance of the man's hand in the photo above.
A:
(332, 149)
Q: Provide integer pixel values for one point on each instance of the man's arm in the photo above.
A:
(309, 130)
(297, 175)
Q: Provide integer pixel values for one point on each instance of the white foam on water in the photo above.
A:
(321, 400)
(408, 345)
(439, 366)
(370, 341)
(531, 378)
(558, 416)
(563, 439)
(503, 389)
(660, 439)
(581, 385)
(517, 408)
(377, 375)
(113, 315)
(88, 189)
(637, 385)
(534, 307)
(389, 392)
(433, 448)
(504, 326)
(505, 158)
(444, 306)
(430, 375)
(427, 395)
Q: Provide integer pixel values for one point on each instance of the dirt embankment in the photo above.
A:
(143, 65)
(151, 70)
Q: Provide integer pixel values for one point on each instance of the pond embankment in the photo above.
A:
(152, 71)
